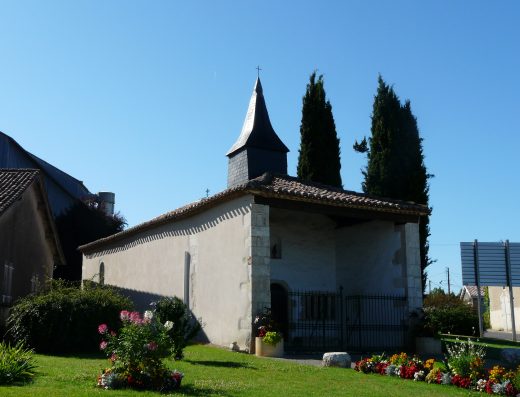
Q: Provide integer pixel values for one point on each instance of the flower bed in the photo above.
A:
(464, 368)
(136, 354)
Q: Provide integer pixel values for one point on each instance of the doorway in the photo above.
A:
(279, 308)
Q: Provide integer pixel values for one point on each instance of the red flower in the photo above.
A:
(381, 368)
(460, 381)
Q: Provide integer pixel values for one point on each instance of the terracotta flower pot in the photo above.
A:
(266, 350)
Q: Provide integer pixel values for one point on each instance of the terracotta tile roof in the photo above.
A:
(280, 187)
(13, 182)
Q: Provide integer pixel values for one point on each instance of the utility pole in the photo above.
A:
(429, 286)
(449, 286)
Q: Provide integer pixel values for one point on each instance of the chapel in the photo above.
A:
(339, 269)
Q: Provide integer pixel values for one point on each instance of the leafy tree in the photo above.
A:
(81, 224)
(319, 154)
(395, 166)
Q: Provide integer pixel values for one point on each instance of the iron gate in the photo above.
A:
(376, 323)
(324, 321)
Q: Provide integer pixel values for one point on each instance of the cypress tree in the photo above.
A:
(395, 167)
(319, 154)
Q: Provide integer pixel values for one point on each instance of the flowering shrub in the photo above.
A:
(466, 359)
(266, 328)
(465, 370)
(136, 354)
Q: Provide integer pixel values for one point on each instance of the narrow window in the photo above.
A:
(8, 282)
(35, 284)
(276, 247)
(102, 273)
(187, 262)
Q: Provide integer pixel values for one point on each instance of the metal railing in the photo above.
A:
(323, 321)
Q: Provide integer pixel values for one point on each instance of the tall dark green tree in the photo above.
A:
(319, 154)
(395, 167)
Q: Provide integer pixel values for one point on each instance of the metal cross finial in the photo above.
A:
(258, 70)
(207, 193)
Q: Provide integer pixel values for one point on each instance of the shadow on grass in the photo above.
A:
(222, 364)
(191, 390)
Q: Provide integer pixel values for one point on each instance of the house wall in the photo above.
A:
(25, 245)
(219, 241)
(500, 308)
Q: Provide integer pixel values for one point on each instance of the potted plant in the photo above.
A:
(269, 340)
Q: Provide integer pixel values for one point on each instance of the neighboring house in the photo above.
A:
(500, 308)
(339, 269)
(29, 246)
(469, 294)
(63, 190)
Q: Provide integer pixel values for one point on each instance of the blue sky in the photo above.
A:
(144, 98)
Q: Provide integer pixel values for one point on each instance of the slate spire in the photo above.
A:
(258, 149)
(257, 130)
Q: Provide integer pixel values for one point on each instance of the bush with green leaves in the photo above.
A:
(185, 325)
(64, 319)
(16, 364)
(448, 314)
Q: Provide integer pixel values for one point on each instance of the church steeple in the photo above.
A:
(258, 148)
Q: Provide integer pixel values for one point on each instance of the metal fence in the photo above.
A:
(321, 321)
(376, 323)
(314, 322)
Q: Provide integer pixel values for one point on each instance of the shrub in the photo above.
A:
(64, 319)
(185, 325)
(136, 354)
(16, 364)
(446, 313)
(466, 359)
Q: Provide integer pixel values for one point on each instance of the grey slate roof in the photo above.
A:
(13, 183)
(13, 155)
(278, 187)
(257, 130)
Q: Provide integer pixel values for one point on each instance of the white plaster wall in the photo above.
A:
(218, 240)
(370, 260)
(500, 308)
(308, 259)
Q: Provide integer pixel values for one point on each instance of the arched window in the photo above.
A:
(102, 273)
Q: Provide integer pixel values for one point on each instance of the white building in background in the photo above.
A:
(271, 240)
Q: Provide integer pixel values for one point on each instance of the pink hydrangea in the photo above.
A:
(152, 346)
(102, 329)
(124, 315)
(135, 318)
(103, 345)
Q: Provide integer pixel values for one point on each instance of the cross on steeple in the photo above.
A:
(258, 70)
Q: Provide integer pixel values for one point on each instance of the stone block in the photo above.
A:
(337, 359)
(510, 357)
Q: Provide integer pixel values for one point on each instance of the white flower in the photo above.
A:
(148, 315)
(419, 375)
(168, 325)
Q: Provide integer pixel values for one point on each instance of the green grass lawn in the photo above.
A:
(211, 371)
